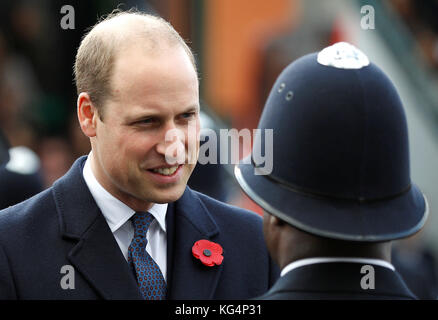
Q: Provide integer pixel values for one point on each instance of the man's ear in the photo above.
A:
(87, 114)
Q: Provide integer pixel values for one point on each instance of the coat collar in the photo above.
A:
(339, 277)
(76, 207)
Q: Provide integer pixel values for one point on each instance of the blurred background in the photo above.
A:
(241, 46)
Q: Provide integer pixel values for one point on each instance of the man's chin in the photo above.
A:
(167, 196)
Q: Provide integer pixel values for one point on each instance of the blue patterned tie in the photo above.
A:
(149, 277)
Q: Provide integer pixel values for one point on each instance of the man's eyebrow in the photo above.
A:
(157, 114)
(144, 115)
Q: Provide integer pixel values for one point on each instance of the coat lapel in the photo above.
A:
(187, 222)
(96, 255)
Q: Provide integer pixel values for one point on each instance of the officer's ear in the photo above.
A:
(271, 223)
(275, 221)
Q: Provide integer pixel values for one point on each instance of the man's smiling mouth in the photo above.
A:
(166, 171)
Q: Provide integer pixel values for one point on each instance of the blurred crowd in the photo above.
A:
(421, 18)
(37, 93)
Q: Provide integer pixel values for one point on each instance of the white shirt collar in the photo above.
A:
(305, 262)
(115, 211)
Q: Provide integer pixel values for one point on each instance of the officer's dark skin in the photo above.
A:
(287, 244)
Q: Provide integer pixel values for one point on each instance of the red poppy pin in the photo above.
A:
(208, 252)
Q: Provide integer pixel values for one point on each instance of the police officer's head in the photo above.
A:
(341, 154)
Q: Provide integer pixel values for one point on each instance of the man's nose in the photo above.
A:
(172, 142)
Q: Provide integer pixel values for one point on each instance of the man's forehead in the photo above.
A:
(144, 50)
(137, 61)
(153, 84)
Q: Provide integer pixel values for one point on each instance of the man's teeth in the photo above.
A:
(166, 171)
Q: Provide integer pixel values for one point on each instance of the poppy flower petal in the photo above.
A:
(208, 252)
(207, 261)
(218, 259)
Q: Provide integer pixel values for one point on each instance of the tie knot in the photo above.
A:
(141, 222)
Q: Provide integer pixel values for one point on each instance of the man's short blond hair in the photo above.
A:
(95, 58)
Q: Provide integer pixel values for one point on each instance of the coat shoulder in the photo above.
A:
(228, 211)
(237, 222)
(26, 215)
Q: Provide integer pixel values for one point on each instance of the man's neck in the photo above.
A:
(335, 248)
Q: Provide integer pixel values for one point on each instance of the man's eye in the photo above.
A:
(146, 121)
(188, 115)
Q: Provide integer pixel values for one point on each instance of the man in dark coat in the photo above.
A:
(340, 189)
(122, 223)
